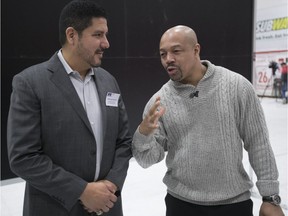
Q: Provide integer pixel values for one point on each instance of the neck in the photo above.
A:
(75, 63)
(198, 75)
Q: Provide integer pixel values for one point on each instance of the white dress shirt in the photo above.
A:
(87, 92)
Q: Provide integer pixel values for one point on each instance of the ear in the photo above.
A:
(197, 49)
(71, 35)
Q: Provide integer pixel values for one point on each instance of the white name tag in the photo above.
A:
(112, 99)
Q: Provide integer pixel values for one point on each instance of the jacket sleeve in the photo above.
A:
(25, 150)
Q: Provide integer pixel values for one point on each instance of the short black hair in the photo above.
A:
(78, 14)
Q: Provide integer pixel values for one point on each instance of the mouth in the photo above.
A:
(171, 70)
(100, 53)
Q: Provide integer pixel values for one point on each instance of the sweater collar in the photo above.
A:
(209, 72)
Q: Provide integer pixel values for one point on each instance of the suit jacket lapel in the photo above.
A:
(102, 91)
(61, 79)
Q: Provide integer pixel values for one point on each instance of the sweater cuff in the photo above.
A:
(268, 188)
(142, 142)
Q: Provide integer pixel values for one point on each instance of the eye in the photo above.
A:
(162, 54)
(97, 35)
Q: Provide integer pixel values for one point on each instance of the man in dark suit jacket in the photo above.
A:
(68, 133)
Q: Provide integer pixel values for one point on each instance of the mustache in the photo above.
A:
(171, 65)
(100, 50)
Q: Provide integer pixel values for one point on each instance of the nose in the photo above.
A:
(105, 43)
(170, 58)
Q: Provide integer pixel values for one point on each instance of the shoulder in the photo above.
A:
(234, 82)
(232, 76)
(162, 93)
(102, 74)
(37, 70)
(106, 80)
(33, 73)
(102, 71)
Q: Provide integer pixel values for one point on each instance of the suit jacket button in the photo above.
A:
(93, 152)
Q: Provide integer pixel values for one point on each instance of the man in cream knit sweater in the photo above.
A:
(203, 117)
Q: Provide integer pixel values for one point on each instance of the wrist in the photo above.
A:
(143, 131)
(273, 199)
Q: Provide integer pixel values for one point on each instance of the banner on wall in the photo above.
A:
(271, 34)
(271, 48)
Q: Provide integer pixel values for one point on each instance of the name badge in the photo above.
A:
(112, 99)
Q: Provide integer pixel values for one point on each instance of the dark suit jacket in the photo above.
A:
(51, 144)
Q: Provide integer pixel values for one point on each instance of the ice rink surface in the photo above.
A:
(143, 193)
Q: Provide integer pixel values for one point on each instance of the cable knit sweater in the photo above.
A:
(205, 136)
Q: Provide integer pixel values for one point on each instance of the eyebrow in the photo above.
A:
(172, 47)
(100, 31)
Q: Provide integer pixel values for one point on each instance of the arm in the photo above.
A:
(254, 133)
(25, 148)
(148, 144)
